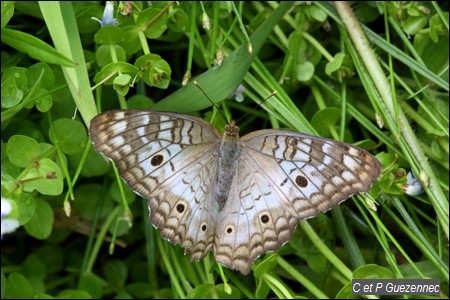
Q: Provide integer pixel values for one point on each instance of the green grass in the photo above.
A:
(359, 74)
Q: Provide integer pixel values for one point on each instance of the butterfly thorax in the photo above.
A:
(229, 153)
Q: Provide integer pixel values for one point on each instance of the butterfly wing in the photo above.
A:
(282, 178)
(169, 159)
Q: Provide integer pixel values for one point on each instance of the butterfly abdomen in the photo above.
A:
(230, 151)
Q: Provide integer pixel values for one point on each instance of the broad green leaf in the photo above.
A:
(266, 265)
(18, 287)
(201, 291)
(179, 21)
(372, 271)
(304, 71)
(22, 151)
(11, 93)
(220, 82)
(131, 44)
(111, 71)
(41, 224)
(92, 284)
(46, 178)
(122, 83)
(109, 35)
(69, 134)
(34, 47)
(74, 294)
(26, 207)
(34, 267)
(103, 55)
(14, 86)
(325, 119)
(116, 272)
(43, 73)
(44, 102)
(140, 290)
(7, 12)
(152, 22)
(340, 67)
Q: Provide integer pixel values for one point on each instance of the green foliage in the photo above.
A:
(84, 234)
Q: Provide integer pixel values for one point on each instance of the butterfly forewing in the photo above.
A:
(169, 159)
(319, 173)
(240, 207)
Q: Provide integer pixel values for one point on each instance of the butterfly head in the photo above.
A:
(231, 129)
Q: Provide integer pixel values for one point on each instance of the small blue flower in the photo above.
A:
(108, 15)
(8, 225)
(412, 186)
(238, 95)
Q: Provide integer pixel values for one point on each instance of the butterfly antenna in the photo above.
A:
(209, 99)
(258, 105)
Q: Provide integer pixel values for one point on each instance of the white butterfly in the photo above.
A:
(240, 197)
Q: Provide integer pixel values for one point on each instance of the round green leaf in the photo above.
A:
(106, 74)
(131, 44)
(18, 74)
(109, 35)
(152, 22)
(144, 61)
(340, 67)
(267, 264)
(122, 83)
(46, 178)
(324, 119)
(40, 225)
(44, 101)
(159, 74)
(316, 13)
(18, 287)
(22, 150)
(179, 21)
(103, 55)
(34, 268)
(11, 94)
(372, 271)
(156, 70)
(70, 134)
(92, 284)
(437, 27)
(201, 291)
(140, 290)
(304, 71)
(44, 72)
(74, 294)
(347, 293)
(139, 102)
(26, 206)
(413, 25)
(116, 272)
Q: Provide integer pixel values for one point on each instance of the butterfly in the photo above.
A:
(239, 197)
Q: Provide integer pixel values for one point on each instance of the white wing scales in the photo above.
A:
(281, 177)
(284, 177)
(171, 165)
